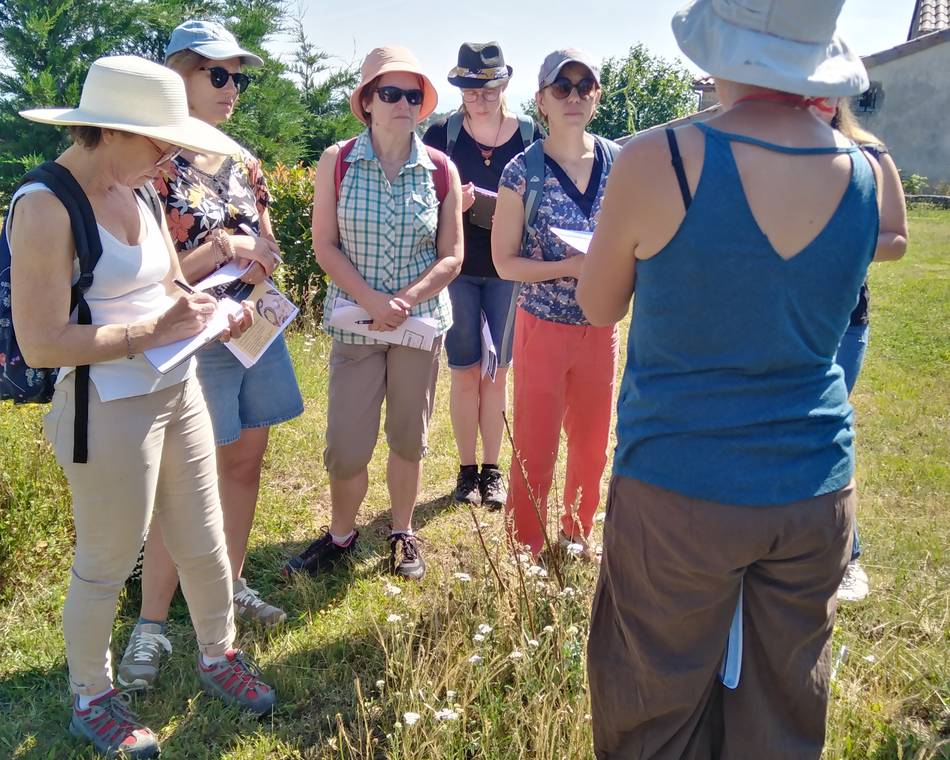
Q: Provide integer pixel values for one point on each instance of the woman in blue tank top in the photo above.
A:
(731, 507)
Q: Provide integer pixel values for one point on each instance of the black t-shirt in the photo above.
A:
(471, 166)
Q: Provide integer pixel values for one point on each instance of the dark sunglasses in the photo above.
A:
(562, 87)
(220, 77)
(390, 94)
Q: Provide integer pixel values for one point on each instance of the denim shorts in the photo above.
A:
(851, 350)
(470, 296)
(239, 398)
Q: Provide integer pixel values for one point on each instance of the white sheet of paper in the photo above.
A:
(489, 355)
(576, 239)
(415, 332)
(166, 358)
(228, 273)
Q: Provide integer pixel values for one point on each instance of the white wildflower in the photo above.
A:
(573, 630)
(380, 684)
(600, 517)
(534, 643)
(484, 629)
(410, 718)
(462, 577)
(574, 549)
(391, 589)
(475, 659)
(548, 629)
(515, 655)
(394, 618)
(536, 571)
(446, 713)
(870, 658)
(478, 638)
(567, 592)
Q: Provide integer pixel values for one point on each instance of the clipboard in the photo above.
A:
(482, 211)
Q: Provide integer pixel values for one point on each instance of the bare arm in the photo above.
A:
(449, 247)
(41, 272)
(387, 310)
(892, 238)
(506, 235)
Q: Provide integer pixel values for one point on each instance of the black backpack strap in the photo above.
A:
(678, 167)
(149, 194)
(82, 220)
(526, 129)
(453, 128)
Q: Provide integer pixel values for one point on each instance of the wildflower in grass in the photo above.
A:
(516, 655)
(573, 630)
(548, 629)
(451, 694)
(380, 684)
(478, 638)
(446, 713)
(394, 618)
(536, 571)
(462, 577)
(568, 592)
(534, 643)
(600, 517)
(574, 550)
(411, 718)
(391, 589)
(476, 659)
(484, 629)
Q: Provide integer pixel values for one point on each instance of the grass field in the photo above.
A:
(360, 656)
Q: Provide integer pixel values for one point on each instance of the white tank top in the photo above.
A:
(127, 287)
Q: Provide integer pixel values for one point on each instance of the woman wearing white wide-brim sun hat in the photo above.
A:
(148, 442)
(748, 237)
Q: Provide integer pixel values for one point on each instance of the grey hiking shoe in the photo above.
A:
(237, 681)
(250, 608)
(143, 655)
(405, 559)
(112, 728)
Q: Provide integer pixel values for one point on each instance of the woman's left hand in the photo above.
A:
(238, 325)
(255, 274)
(468, 196)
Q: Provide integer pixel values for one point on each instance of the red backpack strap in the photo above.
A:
(341, 165)
(441, 176)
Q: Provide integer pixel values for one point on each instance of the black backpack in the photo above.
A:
(34, 385)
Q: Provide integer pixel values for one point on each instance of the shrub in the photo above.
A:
(301, 278)
(914, 184)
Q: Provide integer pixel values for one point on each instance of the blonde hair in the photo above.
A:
(847, 124)
(185, 61)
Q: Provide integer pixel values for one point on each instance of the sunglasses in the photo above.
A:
(488, 94)
(164, 155)
(390, 94)
(220, 77)
(562, 87)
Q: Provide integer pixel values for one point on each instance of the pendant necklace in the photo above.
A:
(486, 153)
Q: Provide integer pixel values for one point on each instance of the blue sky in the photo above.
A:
(527, 31)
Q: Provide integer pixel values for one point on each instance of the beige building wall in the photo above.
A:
(913, 110)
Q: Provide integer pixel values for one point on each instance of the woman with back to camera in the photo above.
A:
(217, 211)
(564, 366)
(747, 237)
(149, 445)
(480, 138)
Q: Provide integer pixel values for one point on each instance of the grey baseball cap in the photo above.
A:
(557, 60)
(210, 39)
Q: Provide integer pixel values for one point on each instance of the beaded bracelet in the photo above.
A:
(129, 353)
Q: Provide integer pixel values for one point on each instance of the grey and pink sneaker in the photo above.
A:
(237, 681)
(112, 728)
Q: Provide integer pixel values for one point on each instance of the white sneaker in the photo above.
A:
(250, 608)
(854, 586)
(143, 656)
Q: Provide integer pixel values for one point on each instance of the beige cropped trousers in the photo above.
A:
(148, 455)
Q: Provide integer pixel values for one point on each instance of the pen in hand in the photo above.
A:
(185, 286)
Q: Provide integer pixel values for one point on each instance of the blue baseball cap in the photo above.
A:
(210, 39)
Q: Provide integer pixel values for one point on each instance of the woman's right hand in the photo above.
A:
(260, 249)
(187, 316)
(388, 312)
(575, 265)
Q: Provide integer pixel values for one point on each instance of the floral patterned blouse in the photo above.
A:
(196, 203)
(561, 205)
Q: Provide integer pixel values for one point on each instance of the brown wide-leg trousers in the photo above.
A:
(669, 582)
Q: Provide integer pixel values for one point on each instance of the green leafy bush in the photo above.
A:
(914, 184)
(301, 278)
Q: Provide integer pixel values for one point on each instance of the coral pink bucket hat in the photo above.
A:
(385, 60)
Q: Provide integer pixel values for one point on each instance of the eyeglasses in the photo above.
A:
(390, 94)
(220, 77)
(562, 87)
(165, 155)
(488, 94)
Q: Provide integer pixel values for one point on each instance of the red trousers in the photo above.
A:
(563, 375)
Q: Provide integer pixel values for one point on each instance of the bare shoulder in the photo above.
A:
(40, 214)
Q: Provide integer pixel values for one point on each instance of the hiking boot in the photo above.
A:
(491, 485)
(405, 559)
(578, 547)
(143, 655)
(854, 585)
(112, 728)
(250, 608)
(237, 681)
(320, 556)
(467, 485)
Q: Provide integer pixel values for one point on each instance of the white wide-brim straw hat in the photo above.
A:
(385, 60)
(787, 45)
(132, 94)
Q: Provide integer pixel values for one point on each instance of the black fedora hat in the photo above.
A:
(480, 65)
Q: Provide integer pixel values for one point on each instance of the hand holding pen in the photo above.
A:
(192, 311)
